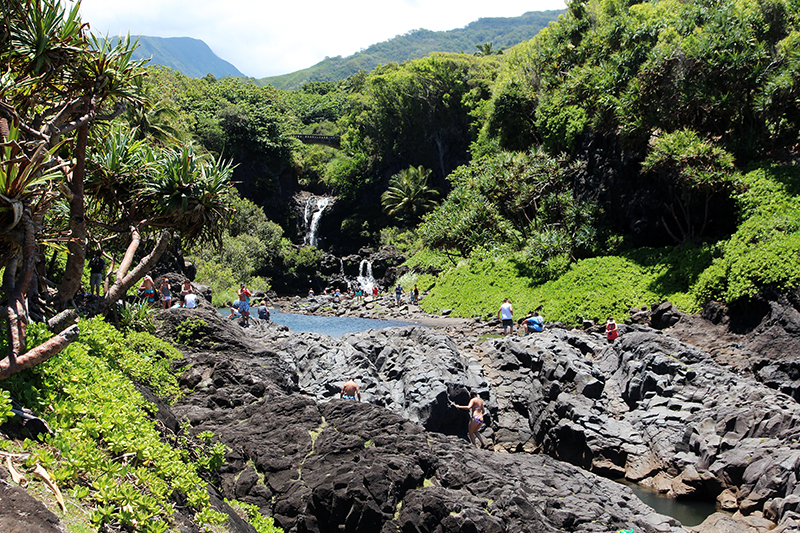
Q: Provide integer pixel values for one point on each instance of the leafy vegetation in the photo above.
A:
(103, 433)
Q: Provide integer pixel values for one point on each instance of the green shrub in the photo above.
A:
(137, 316)
(5, 406)
(261, 523)
(765, 250)
(590, 289)
(103, 434)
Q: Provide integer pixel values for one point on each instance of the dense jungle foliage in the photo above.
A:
(620, 127)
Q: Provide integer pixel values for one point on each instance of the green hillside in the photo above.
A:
(500, 32)
(191, 57)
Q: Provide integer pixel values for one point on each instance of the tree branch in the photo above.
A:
(122, 284)
(13, 365)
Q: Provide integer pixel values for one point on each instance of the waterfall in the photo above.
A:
(315, 205)
(365, 279)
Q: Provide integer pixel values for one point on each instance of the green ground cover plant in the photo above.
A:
(591, 289)
(106, 450)
(765, 250)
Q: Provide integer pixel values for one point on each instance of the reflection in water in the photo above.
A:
(687, 512)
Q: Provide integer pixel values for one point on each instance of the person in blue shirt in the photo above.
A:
(533, 323)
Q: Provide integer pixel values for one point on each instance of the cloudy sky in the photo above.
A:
(267, 38)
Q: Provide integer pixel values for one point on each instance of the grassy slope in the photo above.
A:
(592, 289)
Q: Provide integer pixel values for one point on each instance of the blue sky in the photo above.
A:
(267, 38)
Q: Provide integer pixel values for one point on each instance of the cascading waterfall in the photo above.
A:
(315, 206)
(365, 279)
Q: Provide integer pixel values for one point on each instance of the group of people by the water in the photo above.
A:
(241, 307)
(163, 294)
(360, 292)
(534, 322)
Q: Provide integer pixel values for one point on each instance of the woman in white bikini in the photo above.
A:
(477, 409)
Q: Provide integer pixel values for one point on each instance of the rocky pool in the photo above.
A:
(329, 325)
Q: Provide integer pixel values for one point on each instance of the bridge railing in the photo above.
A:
(328, 140)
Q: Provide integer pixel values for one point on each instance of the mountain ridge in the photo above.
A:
(501, 32)
(192, 57)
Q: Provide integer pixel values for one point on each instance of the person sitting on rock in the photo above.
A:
(190, 300)
(263, 312)
(533, 322)
(350, 391)
(235, 310)
(612, 330)
(477, 409)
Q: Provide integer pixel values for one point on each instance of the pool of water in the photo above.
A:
(689, 513)
(335, 326)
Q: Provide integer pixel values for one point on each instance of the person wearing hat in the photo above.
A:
(244, 304)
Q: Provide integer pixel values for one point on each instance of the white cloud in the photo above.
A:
(270, 38)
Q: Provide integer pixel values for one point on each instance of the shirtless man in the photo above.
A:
(350, 391)
(477, 409)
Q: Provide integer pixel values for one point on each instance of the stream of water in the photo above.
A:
(689, 513)
(335, 326)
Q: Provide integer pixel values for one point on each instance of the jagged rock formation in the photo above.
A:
(567, 411)
(321, 465)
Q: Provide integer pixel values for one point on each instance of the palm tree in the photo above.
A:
(409, 194)
(486, 49)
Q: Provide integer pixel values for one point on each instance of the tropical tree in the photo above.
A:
(486, 49)
(699, 171)
(409, 194)
(57, 81)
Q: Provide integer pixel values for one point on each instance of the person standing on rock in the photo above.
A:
(612, 330)
(415, 295)
(148, 289)
(186, 288)
(506, 315)
(350, 391)
(477, 410)
(97, 268)
(398, 293)
(244, 304)
(166, 295)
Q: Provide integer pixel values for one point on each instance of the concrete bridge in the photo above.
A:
(328, 140)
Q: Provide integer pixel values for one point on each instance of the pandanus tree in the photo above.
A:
(138, 189)
(57, 81)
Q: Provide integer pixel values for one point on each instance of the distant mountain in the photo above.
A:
(501, 32)
(191, 57)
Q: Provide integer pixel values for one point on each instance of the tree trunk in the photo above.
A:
(125, 282)
(77, 225)
(13, 365)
